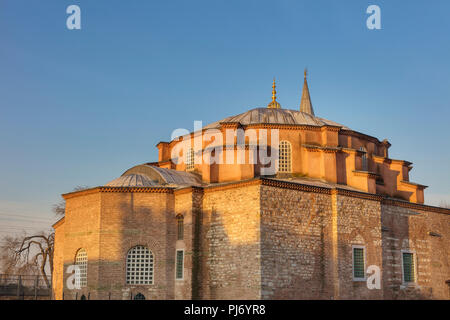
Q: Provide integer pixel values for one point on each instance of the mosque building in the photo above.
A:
(271, 203)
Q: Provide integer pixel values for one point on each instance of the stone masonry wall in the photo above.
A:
(294, 245)
(230, 244)
(306, 244)
(427, 235)
(358, 223)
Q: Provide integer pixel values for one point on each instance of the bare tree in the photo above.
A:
(8, 257)
(29, 254)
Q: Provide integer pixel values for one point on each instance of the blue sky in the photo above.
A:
(78, 107)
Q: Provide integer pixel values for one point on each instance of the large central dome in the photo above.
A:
(276, 116)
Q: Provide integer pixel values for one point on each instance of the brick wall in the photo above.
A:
(293, 245)
(58, 261)
(107, 225)
(82, 230)
(131, 219)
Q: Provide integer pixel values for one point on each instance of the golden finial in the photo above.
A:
(274, 104)
(306, 72)
(274, 92)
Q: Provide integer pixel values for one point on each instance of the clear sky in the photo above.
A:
(79, 107)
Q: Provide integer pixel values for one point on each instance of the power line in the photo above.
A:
(23, 216)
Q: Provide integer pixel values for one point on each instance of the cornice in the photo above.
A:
(265, 182)
(137, 189)
(162, 142)
(294, 186)
(190, 189)
(326, 149)
(283, 126)
(368, 174)
(380, 159)
(231, 185)
(106, 189)
(58, 223)
(412, 205)
(417, 185)
(357, 194)
(80, 193)
(360, 135)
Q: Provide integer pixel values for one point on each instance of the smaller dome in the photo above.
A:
(132, 180)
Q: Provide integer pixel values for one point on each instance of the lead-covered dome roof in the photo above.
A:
(132, 180)
(276, 116)
(146, 175)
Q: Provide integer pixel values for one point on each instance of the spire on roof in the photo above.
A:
(305, 103)
(274, 104)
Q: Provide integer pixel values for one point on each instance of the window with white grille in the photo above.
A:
(284, 163)
(190, 159)
(140, 264)
(81, 260)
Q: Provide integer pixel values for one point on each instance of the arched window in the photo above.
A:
(180, 227)
(190, 159)
(140, 266)
(139, 296)
(81, 260)
(364, 162)
(284, 163)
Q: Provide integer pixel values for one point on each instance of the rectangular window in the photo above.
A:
(180, 224)
(180, 264)
(358, 263)
(408, 267)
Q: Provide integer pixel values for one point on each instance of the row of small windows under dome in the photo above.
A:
(284, 163)
(285, 158)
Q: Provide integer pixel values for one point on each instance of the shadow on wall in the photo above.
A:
(226, 264)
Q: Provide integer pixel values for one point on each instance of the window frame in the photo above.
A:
(414, 261)
(153, 267)
(364, 261)
(77, 253)
(180, 226)
(190, 159)
(176, 265)
(364, 159)
(289, 160)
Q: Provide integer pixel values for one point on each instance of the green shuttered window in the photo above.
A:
(179, 266)
(408, 267)
(358, 263)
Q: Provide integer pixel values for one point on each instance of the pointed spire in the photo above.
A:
(274, 104)
(305, 103)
